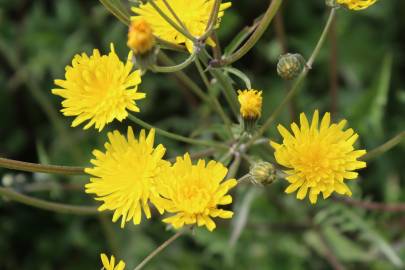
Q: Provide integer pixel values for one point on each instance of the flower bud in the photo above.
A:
(140, 37)
(289, 65)
(263, 173)
(250, 107)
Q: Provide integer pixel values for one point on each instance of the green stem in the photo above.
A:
(158, 250)
(264, 24)
(384, 147)
(175, 68)
(175, 136)
(40, 168)
(180, 29)
(184, 78)
(214, 100)
(50, 206)
(117, 11)
(212, 20)
(229, 92)
(233, 169)
(297, 84)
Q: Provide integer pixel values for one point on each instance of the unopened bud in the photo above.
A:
(140, 37)
(263, 173)
(289, 65)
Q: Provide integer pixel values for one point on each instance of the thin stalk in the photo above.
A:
(175, 16)
(175, 68)
(183, 31)
(384, 147)
(297, 84)
(40, 168)
(158, 250)
(254, 38)
(233, 169)
(184, 78)
(50, 206)
(212, 20)
(117, 11)
(214, 100)
(228, 90)
(175, 136)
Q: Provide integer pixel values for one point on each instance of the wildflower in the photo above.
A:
(125, 175)
(193, 14)
(357, 4)
(262, 173)
(318, 158)
(194, 192)
(140, 37)
(250, 103)
(99, 89)
(110, 265)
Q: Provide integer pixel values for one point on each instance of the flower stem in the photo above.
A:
(297, 84)
(50, 206)
(212, 20)
(158, 250)
(40, 168)
(384, 147)
(175, 136)
(264, 24)
(183, 31)
(213, 100)
(175, 68)
(116, 10)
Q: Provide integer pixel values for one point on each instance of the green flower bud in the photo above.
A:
(289, 65)
(263, 173)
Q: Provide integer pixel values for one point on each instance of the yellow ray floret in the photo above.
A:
(194, 15)
(125, 175)
(193, 193)
(250, 103)
(357, 4)
(318, 158)
(110, 264)
(99, 89)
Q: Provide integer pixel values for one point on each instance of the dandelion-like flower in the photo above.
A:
(194, 192)
(357, 4)
(250, 103)
(193, 14)
(125, 175)
(140, 37)
(110, 264)
(318, 158)
(99, 89)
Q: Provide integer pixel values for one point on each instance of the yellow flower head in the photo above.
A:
(318, 158)
(194, 192)
(194, 14)
(125, 175)
(250, 103)
(357, 4)
(110, 265)
(140, 37)
(99, 89)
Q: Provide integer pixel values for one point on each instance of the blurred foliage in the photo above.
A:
(39, 38)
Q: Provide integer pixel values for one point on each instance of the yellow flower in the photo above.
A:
(250, 103)
(99, 89)
(357, 4)
(194, 192)
(140, 37)
(194, 14)
(125, 175)
(110, 265)
(318, 158)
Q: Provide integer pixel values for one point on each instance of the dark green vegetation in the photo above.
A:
(358, 76)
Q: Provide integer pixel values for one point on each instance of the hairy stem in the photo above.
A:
(50, 206)
(40, 168)
(384, 147)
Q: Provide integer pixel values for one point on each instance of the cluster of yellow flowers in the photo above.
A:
(131, 174)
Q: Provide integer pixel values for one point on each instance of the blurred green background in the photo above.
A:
(359, 76)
